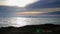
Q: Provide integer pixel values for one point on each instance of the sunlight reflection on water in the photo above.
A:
(21, 21)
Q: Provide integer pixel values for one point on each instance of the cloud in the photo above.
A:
(44, 4)
(45, 10)
(55, 13)
(7, 11)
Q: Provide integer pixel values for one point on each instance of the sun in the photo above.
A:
(20, 3)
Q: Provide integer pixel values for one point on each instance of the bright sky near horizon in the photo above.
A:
(20, 3)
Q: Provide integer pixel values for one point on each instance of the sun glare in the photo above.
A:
(20, 3)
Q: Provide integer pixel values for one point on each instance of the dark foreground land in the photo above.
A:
(32, 29)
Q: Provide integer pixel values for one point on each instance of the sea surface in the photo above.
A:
(22, 21)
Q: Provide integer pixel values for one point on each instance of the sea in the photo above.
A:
(23, 21)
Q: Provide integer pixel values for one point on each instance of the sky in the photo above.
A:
(44, 4)
(29, 7)
(20, 3)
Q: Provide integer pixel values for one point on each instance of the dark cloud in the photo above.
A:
(7, 11)
(52, 13)
(55, 14)
(44, 4)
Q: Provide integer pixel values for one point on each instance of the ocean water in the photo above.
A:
(22, 21)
